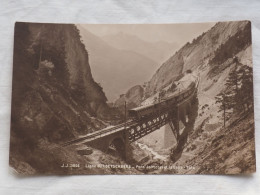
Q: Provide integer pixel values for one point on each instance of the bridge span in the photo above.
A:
(171, 110)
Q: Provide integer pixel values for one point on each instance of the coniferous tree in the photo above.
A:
(233, 86)
(224, 107)
(239, 91)
(172, 88)
(162, 94)
(246, 90)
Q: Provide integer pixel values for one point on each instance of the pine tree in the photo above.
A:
(238, 94)
(246, 90)
(172, 87)
(233, 86)
(224, 107)
(162, 94)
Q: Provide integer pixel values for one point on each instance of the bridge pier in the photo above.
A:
(127, 153)
(180, 113)
(118, 141)
(174, 123)
(192, 115)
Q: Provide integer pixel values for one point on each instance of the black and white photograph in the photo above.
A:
(102, 99)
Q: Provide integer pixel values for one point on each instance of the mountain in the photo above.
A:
(158, 51)
(115, 69)
(204, 54)
(210, 54)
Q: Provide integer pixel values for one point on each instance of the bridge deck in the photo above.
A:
(100, 133)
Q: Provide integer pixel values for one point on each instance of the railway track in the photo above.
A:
(99, 133)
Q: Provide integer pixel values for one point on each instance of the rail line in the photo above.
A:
(100, 133)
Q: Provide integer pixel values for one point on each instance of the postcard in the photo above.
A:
(132, 99)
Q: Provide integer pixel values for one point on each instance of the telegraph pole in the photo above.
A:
(125, 115)
(40, 58)
(224, 107)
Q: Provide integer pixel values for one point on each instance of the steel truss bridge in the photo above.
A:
(121, 136)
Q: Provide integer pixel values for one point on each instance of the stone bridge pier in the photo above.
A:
(180, 113)
(188, 127)
(118, 141)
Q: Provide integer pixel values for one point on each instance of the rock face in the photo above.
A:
(55, 79)
(54, 96)
(133, 95)
(220, 42)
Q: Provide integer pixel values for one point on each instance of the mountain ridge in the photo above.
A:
(115, 69)
(196, 54)
(158, 51)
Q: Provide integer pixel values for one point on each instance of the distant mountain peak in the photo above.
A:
(158, 51)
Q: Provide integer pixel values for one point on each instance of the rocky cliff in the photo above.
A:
(133, 98)
(54, 96)
(222, 41)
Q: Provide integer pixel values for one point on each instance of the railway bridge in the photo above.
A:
(121, 136)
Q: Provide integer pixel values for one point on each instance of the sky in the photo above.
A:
(178, 33)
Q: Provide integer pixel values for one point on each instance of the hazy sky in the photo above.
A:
(180, 33)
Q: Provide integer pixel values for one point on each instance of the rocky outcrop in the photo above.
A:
(133, 95)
